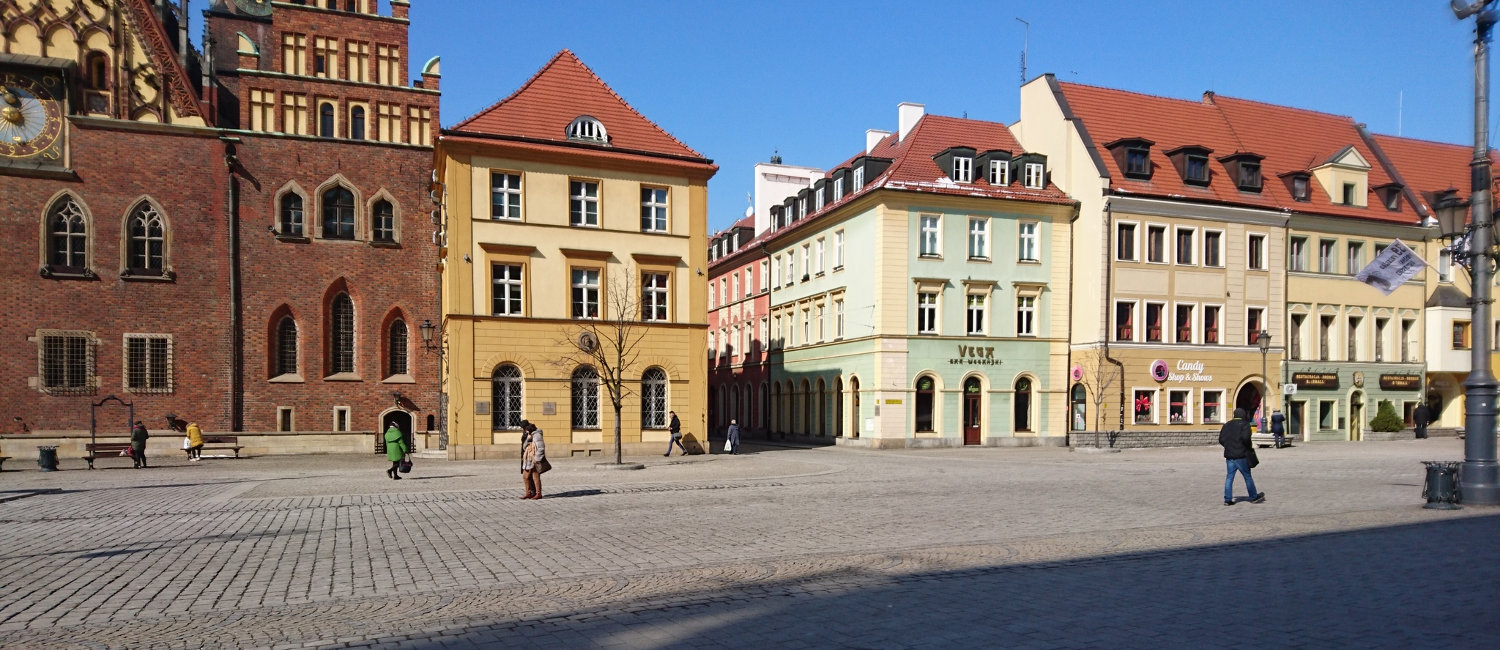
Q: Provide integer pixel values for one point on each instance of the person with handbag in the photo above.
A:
(533, 459)
(395, 450)
(1239, 456)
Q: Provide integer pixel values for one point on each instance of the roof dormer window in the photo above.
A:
(1196, 169)
(1036, 175)
(588, 129)
(957, 163)
(1191, 162)
(1299, 183)
(999, 173)
(1133, 155)
(1250, 176)
(963, 169)
(1390, 196)
(1244, 168)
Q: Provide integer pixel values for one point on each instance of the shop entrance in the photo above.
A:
(972, 395)
(402, 420)
(1248, 399)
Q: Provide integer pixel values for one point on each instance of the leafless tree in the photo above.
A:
(1100, 378)
(608, 342)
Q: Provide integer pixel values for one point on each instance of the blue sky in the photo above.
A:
(739, 80)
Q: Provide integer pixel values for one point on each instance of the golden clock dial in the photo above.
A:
(30, 117)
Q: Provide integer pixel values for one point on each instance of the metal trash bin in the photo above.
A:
(1441, 486)
(46, 457)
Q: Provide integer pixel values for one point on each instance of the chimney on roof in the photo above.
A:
(908, 114)
(1208, 96)
(873, 137)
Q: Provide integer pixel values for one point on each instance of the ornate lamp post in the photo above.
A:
(1479, 481)
(1263, 338)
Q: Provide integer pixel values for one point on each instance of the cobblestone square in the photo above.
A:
(781, 547)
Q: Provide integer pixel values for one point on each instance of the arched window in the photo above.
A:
(924, 404)
(325, 120)
(654, 399)
(67, 233)
(838, 407)
(286, 346)
(1023, 404)
(396, 349)
(98, 70)
(357, 123)
(1080, 408)
(585, 398)
(506, 385)
(147, 240)
(589, 129)
(341, 331)
(384, 216)
(290, 212)
(338, 213)
(805, 394)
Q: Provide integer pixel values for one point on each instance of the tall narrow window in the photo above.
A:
(1027, 249)
(1023, 405)
(975, 321)
(585, 398)
(357, 123)
(979, 238)
(1355, 257)
(325, 120)
(585, 293)
(68, 235)
(1026, 316)
(1155, 321)
(930, 240)
(286, 346)
(147, 240)
(1213, 248)
(1325, 338)
(1124, 321)
(654, 399)
(1327, 256)
(384, 217)
(838, 250)
(1294, 337)
(963, 169)
(1185, 237)
(397, 349)
(505, 414)
(148, 363)
(654, 209)
(654, 296)
(1184, 324)
(505, 196)
(291, 215)
(1255, 321)
(1296, 254)
(338, 214)
(838, 319)
(507, 287)
(1156, 244)
(1125, 242)
(583, 203)
(927, 312)
(1211, 324)
(341, 331)
(924, 404)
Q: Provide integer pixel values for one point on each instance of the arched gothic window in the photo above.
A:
(341, 330)
(67, 234)
(396, 349)
(147, 240)
(286, 346)
(384, 217)
(506, 386)
(1080, 408)
(290, 218)
(585, 398)
(338, 213)
(357, 123)
(654, 399)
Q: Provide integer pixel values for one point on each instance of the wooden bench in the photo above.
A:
(223, 442)
(103, 449)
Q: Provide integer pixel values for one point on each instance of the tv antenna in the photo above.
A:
(1025, 45)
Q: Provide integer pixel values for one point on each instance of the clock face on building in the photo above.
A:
(254, 7)
(31, 116)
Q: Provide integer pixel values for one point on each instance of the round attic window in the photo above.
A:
(587, 128)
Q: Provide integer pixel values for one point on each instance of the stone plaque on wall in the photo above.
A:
(481, 408)
(549, 408)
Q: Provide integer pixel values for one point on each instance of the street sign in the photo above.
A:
(1288, 389)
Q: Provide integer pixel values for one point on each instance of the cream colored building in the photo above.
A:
(562, 205)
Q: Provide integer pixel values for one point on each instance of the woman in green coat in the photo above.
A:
(395, 450)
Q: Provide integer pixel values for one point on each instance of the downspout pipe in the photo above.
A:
(1109, 229)
(236, 326)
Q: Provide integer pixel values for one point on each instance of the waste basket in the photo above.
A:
(1441, 487)
(46, 457)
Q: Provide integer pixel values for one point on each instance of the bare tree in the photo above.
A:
(1100, 376)
(608, 342)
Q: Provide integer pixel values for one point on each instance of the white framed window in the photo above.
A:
(1327, 255)
(1355, 257)
(838, 250)
(999, 172)
(148, 363)
(749, 281)
(1144, 405)
(838, 189)
(765, 274)
(653, 209)
(340, 418)
(930, 236)
(735, 283)
(1185, 239)
(654, 296)
(583, 203)
(505, 196)
(927, 312)
(807, 326)
(1296, 254)
(1255, 321)
(859, 178)
(506, 294)
(1156, 244)
(822, 332)
(1212, 320)
(1125, 320)
(1213, 248)
(791, 266)
(838, 319)
(802, 206)
(1155, 325)
(1328, 415)
(713, 295)
(1027, 249)
(584, 394)
(806, 260)
(1255, 252)
(818, 199)
(1179, 406)
(979, 238)
(585, 293)
(975, 323)
(1026, 316)
(963, 169)
(818, 250)
(1182, 324)
(1213, 406)
(1035, 176)
(1125, 244)
(776, 271)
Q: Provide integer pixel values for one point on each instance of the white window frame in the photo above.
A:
(1036, 175)
(516, 286)
(657, 212)
(1026, 310)
(1255, 262)
(1136, 325)
(1195, 335)
(818, 250)
(963, 169)
(822, 330)
(1250, 336)
(588, 288)
(765, 272)
(976, 306)
(979, 238)
(818, 199)
(929, 235)
(654, 304)
(1028, 241)
(580, 217)
(776, 271)
(1135, 241)
(859, 178)
(1156, 409)
(1354, 256)
(806, 260)
(1167, 333)
(1177, 249)
(838, 189)
(1220, 248)
(928, 302)
(1203, 416)
(1187, 406)
(838, 250)
(838, 318)
(1203, 323)
(999, 173)
(1332, 259)
(505, 189)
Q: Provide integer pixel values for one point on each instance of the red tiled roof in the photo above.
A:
(565, 89)
(914, 168)
(1429, 166)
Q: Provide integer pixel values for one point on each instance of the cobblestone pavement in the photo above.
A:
(782, 547)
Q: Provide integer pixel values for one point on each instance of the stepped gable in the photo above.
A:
(564, 89)
(1428, 166)
(1296, 139)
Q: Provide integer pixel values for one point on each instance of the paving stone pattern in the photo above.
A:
(784, 547)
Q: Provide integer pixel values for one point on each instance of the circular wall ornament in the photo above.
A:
(1359, 378)
(1159, 370)
(1077, 373)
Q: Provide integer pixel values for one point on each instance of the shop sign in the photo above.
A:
(1182, 372)
(974, 355)
(1400, 382)
(1316, 379)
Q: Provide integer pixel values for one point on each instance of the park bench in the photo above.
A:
(101, 449)
(223, 442)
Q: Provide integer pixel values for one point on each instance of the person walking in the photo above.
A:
(1234, 436)
(1422, 417)
(195, 442)
(676, 428)
(1278, 428)
(138, 436)
(395, 450)
(733, 443)
(533, 459)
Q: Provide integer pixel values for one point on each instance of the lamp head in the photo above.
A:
(1264, 339)
(1452, 214)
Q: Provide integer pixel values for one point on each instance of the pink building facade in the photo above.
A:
(739, 298)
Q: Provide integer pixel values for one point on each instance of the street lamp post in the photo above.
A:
(1479, 481)
(1263, 338)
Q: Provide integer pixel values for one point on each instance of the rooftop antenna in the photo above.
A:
(1025, 45)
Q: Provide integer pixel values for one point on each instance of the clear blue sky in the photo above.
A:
(738, 80)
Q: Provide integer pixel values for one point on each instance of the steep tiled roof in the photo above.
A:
(564, 89)
(1429, 166)
(914, 168)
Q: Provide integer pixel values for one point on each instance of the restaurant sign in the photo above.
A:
(1305, 380)
(1400, 382)
(975, 356)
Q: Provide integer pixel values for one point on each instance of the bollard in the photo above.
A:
(1441, 486)
(46, 457)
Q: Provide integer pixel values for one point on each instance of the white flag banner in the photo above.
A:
(1392, 267)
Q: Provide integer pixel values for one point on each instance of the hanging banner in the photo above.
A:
(1391, 268)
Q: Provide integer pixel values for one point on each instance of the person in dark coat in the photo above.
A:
(733, 435)
(1278, 428)
(676, 428)
(1422, 417)
(138, 436)
(1234, 436)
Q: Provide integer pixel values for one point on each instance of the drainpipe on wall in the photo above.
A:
(1072, 307)
(1109, 229)
(236, 327)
